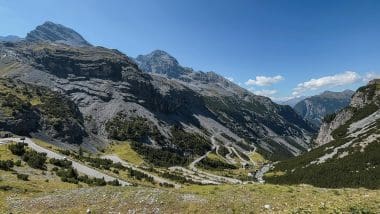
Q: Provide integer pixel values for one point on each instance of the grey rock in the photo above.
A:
(51, 32)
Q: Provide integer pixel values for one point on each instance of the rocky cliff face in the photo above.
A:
(105, 84)
(326, 129)
(315, 108)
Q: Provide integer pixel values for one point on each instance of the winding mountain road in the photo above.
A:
(76, 165)
(156, 178)
(210, 176)
(192, 164)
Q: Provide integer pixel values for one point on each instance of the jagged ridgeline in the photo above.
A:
(349, 148)
(152, 101)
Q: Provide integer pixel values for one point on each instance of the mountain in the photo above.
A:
(10, 38)
(315, 108)
(252, 117)
(160, 62)
(348, 148)
(292, 102)
(51, 32)
(170, 113)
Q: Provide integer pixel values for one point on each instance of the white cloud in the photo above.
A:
(345, 78)
(283, 99)
(266, 93)
(264, 81)
(370, 76)
(230, 79)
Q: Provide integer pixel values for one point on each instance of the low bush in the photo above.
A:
(23, 177)
(35, 160)
(17, 148)
(60, 162)
(6, 165)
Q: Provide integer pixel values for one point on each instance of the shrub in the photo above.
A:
(160, 157)
(140, 175)
(189, 142)
(5, 187)
(18, 163)
(6, 165)
(209, 163)
(34, 159)
(23, 177)
(122, 128)
(17, 148)
(60, 162)
(114, 183)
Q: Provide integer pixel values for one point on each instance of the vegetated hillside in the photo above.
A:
(109, 88)
(26, 109)
(315, 108)
(349, 151)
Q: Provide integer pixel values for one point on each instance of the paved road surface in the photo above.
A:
(211, 176)
(156, 178)
(76, 165)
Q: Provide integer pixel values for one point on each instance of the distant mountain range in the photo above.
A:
(292, 102)
(315, 108)
(10, 38)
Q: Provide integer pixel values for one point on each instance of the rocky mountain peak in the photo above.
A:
(53, 32)
(160, 62)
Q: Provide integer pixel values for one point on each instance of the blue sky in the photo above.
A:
(279, 48)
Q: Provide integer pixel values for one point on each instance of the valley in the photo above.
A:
(27, 197)
(86, 128)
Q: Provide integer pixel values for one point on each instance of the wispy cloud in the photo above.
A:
(266, 93)
(345, 78)
(264, 81)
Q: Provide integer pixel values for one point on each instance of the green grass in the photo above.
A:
(258, 158)
(201, 199)
(5, 154)
(124, 151)
(54, 196)
(45, 144)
